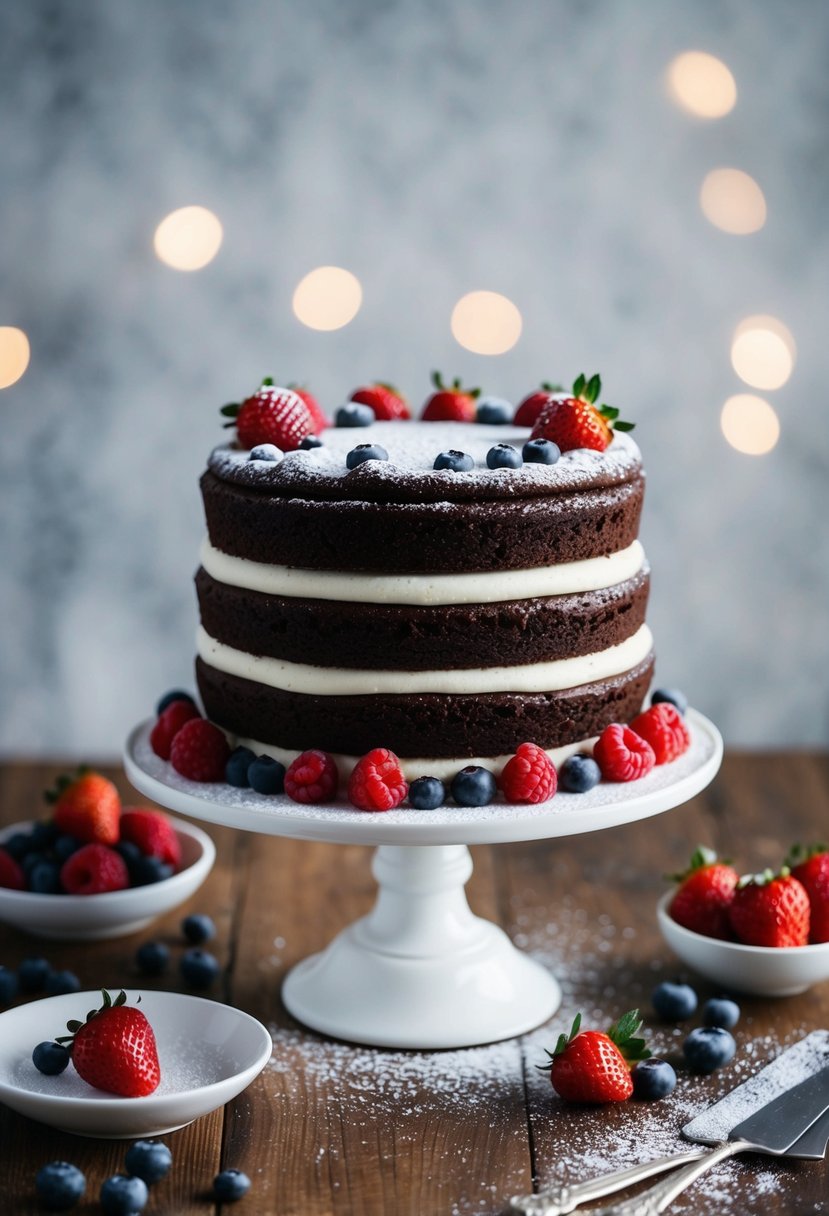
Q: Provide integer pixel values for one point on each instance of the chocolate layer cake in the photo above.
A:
(446, 615)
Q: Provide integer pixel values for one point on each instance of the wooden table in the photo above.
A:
(329, 1128)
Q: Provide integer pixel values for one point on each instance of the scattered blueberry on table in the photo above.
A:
(51, 1058)
(199, 968)
(8, 985)
(32, 975)
(149, 1160)
(198, 928)
(674, 1001)
(230, 1185)
(122, 1195)
(151, 958)
(721, 1011)
(653, 1079)
(60, 982)
(708, 1048)
(59, 1185)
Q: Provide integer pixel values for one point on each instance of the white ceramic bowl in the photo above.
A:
(115, 913)
(757, 970)
(208, 1054)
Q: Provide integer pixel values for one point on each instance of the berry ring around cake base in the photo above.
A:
(421, 970)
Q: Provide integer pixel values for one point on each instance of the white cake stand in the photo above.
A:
(421, 971)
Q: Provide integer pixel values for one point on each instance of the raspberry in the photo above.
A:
(622, 755)
(273, 415)
(312, 778)
(93, 870)
(377, 783)
(662, 726)
(530, 775)
(11, 875)
(169, 723)
(152, 833)
(200, 751)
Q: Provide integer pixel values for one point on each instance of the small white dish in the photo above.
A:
(208, 1054)
(114, 913)
(756, 970)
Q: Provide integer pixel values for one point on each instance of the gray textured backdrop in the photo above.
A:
(433, 149)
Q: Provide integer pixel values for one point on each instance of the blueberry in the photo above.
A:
(65, 846)
(579, 773)
(176, 694)
(426, 793)
(19, 844)
(363, 452)
(60, 982)
(503, 456)
(265, 451)
(149, 1160)
(31, 861)
(44, 834)
(149, 870)
(32, 973)
(653, 1079)
(132, 856)
(673, 696)
(230, 1185)
(473, 786)
(44, 878)
(236, 769)
(540, 451)
(707, 1048)
(151, 958)
(309, 442)
(354, 414)
(722, 1012)
(493, 411)
(8, 985)
(198, 928)
(59, 1185)
(674, 1001)
(123, 1196)
(199, 968)
(454, 461)
(51, 1058)
(266, 775)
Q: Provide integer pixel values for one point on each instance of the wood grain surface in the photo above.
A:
(333, 1128)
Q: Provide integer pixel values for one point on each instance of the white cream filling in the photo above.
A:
(569, 578)
(340, 681)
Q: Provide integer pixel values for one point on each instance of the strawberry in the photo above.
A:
(704, 895)
(114, 1049)
(169, 723)
(577, 422)
(388, 404)
(450, 403)
(770, 910)
(87, 806)
(272, 415)
(318, 418)
(94, 869)
(589, 1066)
(528, 410)
(152, 833)
(11, 874)
(810, 866)
(664, 728)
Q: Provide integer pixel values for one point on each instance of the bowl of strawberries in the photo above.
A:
(95, 869)
(766, 934)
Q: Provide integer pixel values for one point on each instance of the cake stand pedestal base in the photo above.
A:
(421, 970)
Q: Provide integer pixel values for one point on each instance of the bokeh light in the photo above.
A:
(750, 424)
(763, 352)
(14, 354)
(486, 323)
(188, 239)
(327, 298)
(732, 201)
(701, 84)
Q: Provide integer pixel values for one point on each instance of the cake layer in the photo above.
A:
(421, 637)
(420, 724)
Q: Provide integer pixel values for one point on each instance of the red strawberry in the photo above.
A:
(576, 422)
(388, 404)
(589, 1066)
(811, 867)
(12, 877)
(664, 728)
(530, 776)
(93, 870)
(318, 418)
(87, 806)
(169, 724)
(704, 895)
(377, 782)
(770, 910)
(152, 833)
(114, 1049)
(532, 405)
(312, 777)
(622, 755)
(450, 403)
(272, 415)
(200, 751)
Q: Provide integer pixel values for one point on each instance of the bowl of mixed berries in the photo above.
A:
(93, 868)
(766, 934)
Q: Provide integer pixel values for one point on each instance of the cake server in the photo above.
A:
(806, 1061)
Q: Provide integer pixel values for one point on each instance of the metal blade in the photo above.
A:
(793, 1066)
(812, 1144)
(778, 1124)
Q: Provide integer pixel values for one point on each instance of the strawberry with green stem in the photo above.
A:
(770, 910)
(531, 406)
(577, 422)
(388, 404)
(450, 402)
(593, 1066)
(271, 415)
(115, 1048)
(810, 866)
